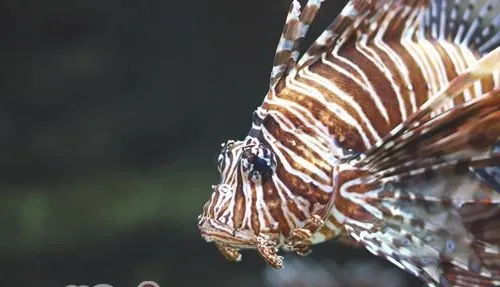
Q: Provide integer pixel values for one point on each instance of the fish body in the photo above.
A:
(385, 133)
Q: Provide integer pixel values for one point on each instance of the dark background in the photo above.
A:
(111, 116)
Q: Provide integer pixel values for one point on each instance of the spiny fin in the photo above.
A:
(457, 140)
(392, 18)
(491, 174)
(420, 228)
(456, 277)
(296, 26)
(431, 216)
(472, 23)
(483, 222)
(419, 122)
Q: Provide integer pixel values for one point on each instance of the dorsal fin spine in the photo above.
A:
(296, 26)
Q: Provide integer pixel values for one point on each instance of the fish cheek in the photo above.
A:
(239, 207)
(275, 205)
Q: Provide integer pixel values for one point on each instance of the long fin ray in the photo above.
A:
(490, 174)
(482, 68)
(437, 240)
(430, 215)
(296, 27)
(360, 17)
(473, 23)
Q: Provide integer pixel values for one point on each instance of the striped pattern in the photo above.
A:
(380, 134)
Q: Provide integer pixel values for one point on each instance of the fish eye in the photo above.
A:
(261, 165)
(258, 162)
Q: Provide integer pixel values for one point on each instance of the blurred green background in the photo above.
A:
(111, 116)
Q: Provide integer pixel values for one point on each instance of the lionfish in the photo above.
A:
(384, 133)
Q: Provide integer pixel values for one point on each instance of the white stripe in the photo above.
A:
(303, 176)
(367, 86)
(335, 109)
(337, 92)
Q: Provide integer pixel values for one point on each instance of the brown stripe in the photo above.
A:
(359, 95)
(327, 232)
(282, 57)
(290, 30)
(334, 59)
(273, 203)
(308, 14)
(332, 98)
(239, 206)
(488, 84)
(293, 142)
(296, 145)
(295, 210)
(348, 135)
(254, 215)
(391, 66)
(416, 76)
(378, 80)
(339, 26)
(451, 70)
(298, 187)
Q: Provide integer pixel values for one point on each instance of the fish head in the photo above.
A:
(234, 217)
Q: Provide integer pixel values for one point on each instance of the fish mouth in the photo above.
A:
(229, 241)
(226, 239)
(213, 230)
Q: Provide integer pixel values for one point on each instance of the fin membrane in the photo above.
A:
(491, 174)
(472, 23)
(429, 214)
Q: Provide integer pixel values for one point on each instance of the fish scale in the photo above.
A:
(383, 134)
